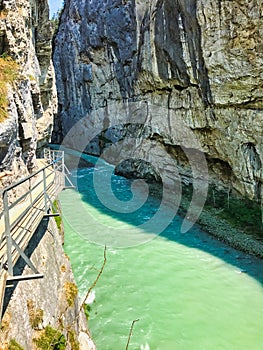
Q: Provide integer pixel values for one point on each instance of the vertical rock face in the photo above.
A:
(25, 36)
(48, 302)
(200, 60)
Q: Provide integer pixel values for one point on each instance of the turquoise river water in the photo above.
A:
(188, 291)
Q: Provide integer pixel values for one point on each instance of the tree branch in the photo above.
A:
(130, 333)
(94, 283)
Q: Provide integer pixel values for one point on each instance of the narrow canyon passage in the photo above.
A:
(165, 90)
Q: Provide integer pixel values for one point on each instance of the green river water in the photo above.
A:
(189, 291)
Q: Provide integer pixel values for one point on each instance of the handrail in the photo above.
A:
(26, 193)
(22, 213)
(53, 162)
(10, 187)
(37, 190)
(13, 224)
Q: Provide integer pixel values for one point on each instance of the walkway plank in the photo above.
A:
(25, 216)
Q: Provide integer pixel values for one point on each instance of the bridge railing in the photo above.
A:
(36, 187)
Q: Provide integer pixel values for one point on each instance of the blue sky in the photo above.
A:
(54, 6)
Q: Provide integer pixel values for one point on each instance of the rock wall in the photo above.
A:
(52, 301)
(25, 36)
(193, 66)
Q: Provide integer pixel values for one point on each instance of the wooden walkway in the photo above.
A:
(21, 217)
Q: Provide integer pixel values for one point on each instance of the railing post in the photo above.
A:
(51, 156)
(8, 234)
(63, 169)
(45, 190)
(47, 154)
(30, 192)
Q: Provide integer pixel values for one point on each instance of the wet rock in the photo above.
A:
(74, 162)
(136, 169)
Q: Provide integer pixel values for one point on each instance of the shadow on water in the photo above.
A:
(21, 264)
(194, 238)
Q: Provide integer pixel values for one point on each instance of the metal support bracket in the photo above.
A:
(51, 214)
(12, 279)
(26, 258)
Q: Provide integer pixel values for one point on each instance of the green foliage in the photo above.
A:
(241, 213)
(35, 315)
(58, 219)
(13, 345)
(31, 77)
(244, 214)
(72, 340)
(87, 309)
(51, 339)
(55, 20)
(55, 23)
(8, 74)
(71, 292)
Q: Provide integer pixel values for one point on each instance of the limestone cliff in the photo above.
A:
(45, 308)
(51, 303)
(25, 36)
(194, 65)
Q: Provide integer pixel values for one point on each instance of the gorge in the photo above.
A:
(166, 91)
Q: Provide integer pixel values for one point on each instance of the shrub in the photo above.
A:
(58, 219)
(87, 309)
(71, 292)
(13, 345)
(8, 74)
(51, 339)
(72, 340)
(35, 315)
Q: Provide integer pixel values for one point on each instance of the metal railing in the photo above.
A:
(36, 200)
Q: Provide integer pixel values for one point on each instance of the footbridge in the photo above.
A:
(24, 205)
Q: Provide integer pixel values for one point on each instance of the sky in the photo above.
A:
(54, 6)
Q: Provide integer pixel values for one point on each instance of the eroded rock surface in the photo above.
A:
(26, 34)
(193, 66)
(51, 301)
